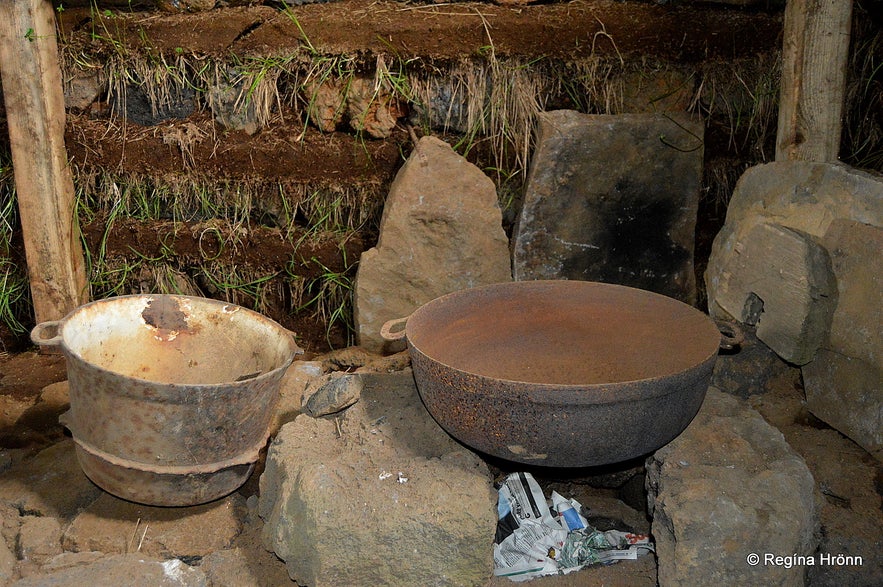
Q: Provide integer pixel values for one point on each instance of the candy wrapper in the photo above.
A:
(533, 540)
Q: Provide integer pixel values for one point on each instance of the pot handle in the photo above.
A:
(386, 329)
(731, 335)
(39, 336)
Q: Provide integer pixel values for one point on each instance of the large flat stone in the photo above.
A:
(441, 231)
(378, 496)
(50, 484)
(112, 525)
(132, 570)
(728, 487)
(613, 199)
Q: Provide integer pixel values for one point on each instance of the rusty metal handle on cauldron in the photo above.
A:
(386, 330)
(731, 335)
(38, 334)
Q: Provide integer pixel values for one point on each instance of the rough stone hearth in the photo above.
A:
(730, 482)
(728, 487)
(378, 496)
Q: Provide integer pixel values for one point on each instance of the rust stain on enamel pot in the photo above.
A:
(171, 396)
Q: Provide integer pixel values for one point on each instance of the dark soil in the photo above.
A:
(452, 31)
(289, 151)
(259, 245)
(24, 423)
(260, 248)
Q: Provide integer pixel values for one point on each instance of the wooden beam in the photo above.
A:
(814, 53)
(32, 92)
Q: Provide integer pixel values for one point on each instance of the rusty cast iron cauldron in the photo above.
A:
(560, 373)
(171, 396)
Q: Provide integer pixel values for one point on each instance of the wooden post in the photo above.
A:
(34, 99)
(814, 54)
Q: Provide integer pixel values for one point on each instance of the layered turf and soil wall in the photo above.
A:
(244, 152)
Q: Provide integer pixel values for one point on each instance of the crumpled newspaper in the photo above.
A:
(533, 540)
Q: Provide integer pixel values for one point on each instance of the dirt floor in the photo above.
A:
(23, 425)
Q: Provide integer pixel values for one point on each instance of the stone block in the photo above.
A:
(132, 570)
(857, 263)
(846, 393)
(50, 484)
(380, 495)
(56, 396)
(39, 538)
(331, 393)
(612, 199)
(83, 88)
(372, 110)
(232, 107)
(728, 487)
(799, 195)
(441, 231)
(844, 384)
(752, 369)
(66, 560)
(112, 525)
(239, 567)
(780, 280)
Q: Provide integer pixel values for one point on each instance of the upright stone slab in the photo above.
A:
(727, 489)
(441, 231)
(613, 199)
(844, 383)
(780, 281)
(379, 495)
